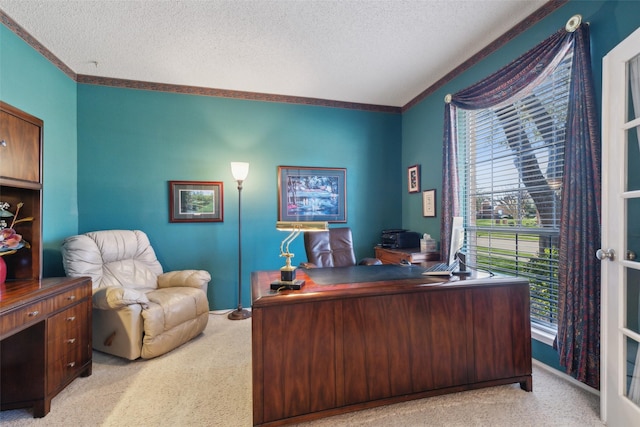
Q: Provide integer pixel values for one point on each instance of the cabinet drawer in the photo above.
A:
(23, 317)
(62, 346)
(68, 345)
(63, 369)
(70, 297)
(72, 320)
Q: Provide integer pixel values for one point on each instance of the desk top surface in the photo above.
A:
(21, 292)
(334, 283)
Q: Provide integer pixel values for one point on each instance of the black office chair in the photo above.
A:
(332, 248)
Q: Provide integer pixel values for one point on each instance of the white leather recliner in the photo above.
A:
(138, 311)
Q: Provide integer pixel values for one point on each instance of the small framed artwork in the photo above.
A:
(312, 194)
(195, 201)
(429, 203)
(413, 178)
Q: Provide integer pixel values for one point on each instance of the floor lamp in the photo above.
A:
(239, 170)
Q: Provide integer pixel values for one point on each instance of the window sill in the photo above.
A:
(544, 335)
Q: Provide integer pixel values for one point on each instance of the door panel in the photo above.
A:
(620, 394)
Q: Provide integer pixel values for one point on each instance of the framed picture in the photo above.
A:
(312, 194)
(195, 201)
(413, 178)
(429, 203)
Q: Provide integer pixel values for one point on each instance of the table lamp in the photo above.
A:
(288, 271)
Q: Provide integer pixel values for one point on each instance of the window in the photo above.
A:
(511, 161)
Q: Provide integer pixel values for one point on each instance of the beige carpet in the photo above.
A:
(207, 382)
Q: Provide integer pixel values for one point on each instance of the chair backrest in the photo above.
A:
(332, 248)
(122, 258)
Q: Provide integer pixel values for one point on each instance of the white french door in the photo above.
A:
(620, 321)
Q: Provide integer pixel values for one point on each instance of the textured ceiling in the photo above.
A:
(382, 52)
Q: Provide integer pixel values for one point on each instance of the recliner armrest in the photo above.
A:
(186, 278)
(113, 297)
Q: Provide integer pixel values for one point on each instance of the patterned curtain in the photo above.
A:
(450, 184)
(496, 89)
(578, 340)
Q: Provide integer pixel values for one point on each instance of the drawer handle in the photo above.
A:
(71, 318)
(71, 297)
(71, 364)
(70, 341)
(33, 313)
(3, 143)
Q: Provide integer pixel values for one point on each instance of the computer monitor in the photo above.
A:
(457, 239)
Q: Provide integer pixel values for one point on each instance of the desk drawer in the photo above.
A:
(68, 346)
(23, 317)
(65, 368)
(70, 297)
(73, 318)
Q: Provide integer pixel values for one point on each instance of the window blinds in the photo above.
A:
(511, 161)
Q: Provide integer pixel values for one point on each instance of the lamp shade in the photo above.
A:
(239, 170)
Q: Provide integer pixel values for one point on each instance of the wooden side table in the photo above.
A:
(413, 255)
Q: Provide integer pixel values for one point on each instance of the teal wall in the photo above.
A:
(109, 152)
(31, 83)
(132, 142)
(422, 125)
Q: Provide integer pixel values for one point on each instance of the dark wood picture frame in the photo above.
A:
(196, 201)
(312, 194)
(429, 203)
(413, 178)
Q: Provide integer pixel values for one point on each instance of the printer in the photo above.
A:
(400, 239)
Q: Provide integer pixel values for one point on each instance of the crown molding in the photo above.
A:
(515, 31)
(234, 94)
(519, 28)
(35, 44)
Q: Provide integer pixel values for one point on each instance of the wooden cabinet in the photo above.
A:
(45, 332)
(20, 145)
(395, 256)
(45, 325)
(329, 349)
(21, 181)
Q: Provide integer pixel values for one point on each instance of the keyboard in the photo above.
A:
(440, 269)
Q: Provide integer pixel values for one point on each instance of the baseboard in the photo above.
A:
(566, 377)
(224, 311)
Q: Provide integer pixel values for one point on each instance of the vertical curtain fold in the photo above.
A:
(450, 182)
(578, 339)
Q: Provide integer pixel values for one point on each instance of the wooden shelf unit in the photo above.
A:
(21, 181)
(45, 324)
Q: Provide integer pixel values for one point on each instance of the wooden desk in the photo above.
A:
(330, 349)
(45, 340)
(414, 256)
